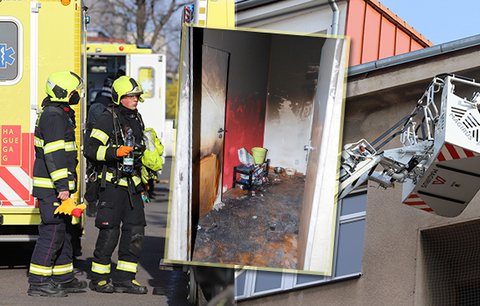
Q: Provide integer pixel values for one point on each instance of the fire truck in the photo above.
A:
(36, 39)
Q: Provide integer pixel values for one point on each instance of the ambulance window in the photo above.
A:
(10, 51)
(147, 79)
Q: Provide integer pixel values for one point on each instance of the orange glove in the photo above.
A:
(123, 151)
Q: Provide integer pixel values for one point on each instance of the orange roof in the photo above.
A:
(397, 20)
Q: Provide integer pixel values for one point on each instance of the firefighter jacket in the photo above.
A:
(107, 135)
(55, 164)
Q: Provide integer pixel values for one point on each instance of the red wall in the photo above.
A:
(245, 125)
(246, 91)
(377, 33)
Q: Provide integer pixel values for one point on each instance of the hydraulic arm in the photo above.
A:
(439, 150)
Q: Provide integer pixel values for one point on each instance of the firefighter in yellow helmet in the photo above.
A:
(54, 180)
(115, 147)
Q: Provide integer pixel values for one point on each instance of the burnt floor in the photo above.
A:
(254, 228)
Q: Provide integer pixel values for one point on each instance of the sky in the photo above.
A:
(439, 21)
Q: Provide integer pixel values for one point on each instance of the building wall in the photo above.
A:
(308, 16)
(392, 263)
(394, 269)
(375, 32)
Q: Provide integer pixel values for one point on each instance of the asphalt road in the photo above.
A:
(171, 284)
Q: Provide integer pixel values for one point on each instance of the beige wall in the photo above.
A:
(392, 264)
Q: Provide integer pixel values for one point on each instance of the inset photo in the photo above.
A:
(259, 125)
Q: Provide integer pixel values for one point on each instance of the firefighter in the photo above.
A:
(54, 180)
(120, 211)
(102, 100)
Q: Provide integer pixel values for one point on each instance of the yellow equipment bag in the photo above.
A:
(152, 157)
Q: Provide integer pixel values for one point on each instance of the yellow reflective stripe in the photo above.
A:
(43, 182)
(54, 146)
(70, 146)
(101, 152)
(59, 174)
(40, 270)
(38, 142)
(123, 181)
(100, 135)
(62, 269)
(127, 266)
(136, 180)
(100, 269)
(48, 183)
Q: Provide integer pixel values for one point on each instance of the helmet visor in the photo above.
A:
(139, 95)
(136, 90)
(80, 89)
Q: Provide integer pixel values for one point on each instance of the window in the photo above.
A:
(350, 234)
(450, 267)
(347, 262)
(11, 52)
(146, 80)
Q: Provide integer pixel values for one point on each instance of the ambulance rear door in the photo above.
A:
(149, 70)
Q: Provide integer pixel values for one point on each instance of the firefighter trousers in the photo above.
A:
(120, 216)
(52, 258)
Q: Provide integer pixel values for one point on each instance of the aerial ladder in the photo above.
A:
(438, 162)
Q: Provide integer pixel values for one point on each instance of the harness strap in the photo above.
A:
(103, 183)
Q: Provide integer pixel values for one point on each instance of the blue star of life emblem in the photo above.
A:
(6, 56)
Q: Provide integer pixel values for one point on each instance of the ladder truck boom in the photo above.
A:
(439, 156)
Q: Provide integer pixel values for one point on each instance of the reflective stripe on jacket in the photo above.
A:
(55, 150)
(101, 147)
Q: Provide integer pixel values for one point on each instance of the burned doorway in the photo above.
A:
(276, 100)
(212, 126)
(272, 82)
(208, 120)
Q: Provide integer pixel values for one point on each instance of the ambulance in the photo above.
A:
(148, 68)
(36, 39)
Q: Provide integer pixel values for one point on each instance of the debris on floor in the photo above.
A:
(257, 227)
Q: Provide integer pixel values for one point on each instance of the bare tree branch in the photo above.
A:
(141, 21)
(153, 22)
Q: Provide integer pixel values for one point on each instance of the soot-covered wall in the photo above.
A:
(294, 62)
(246, 92)
(271, 86)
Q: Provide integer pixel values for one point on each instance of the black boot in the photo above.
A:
(130, 286)
(73, 286)
(48, 289)
(102, 286)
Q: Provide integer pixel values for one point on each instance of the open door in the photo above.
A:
(149, 70)
(212, 126)
(317, 219)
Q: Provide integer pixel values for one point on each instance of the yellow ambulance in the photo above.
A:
(36, 39)
(109, 59)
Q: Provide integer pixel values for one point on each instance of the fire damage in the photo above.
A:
(257, 226)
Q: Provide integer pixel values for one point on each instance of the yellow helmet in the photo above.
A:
(126, 86)
(62, 84)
